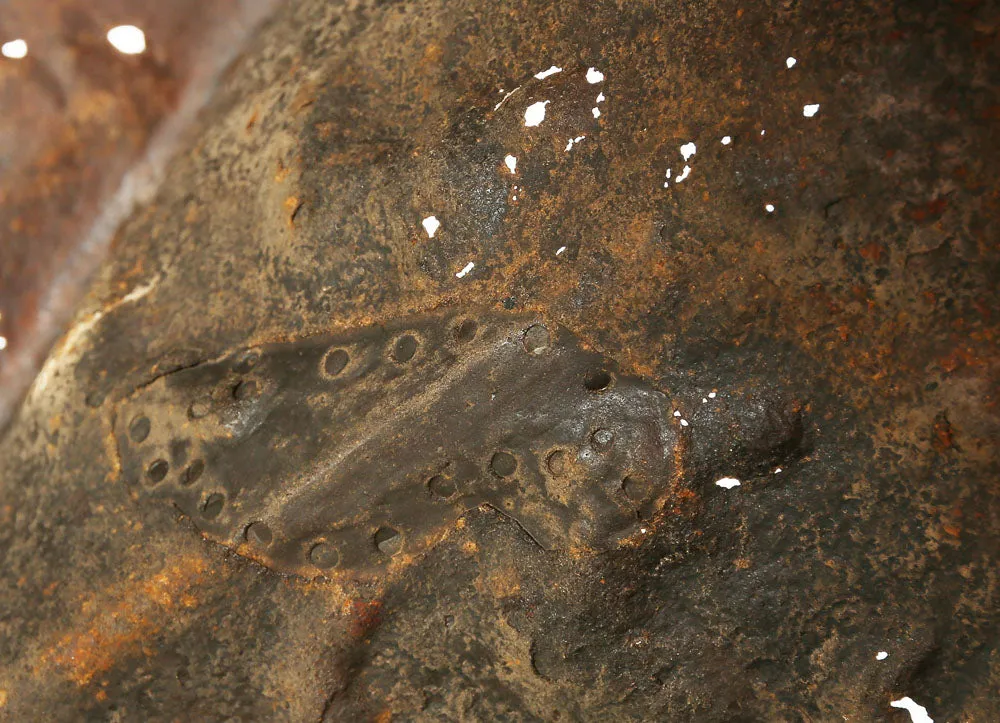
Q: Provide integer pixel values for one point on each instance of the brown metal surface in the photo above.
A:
(85, 134)
(817, 299)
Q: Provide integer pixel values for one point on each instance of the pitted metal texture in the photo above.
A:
(351, 453)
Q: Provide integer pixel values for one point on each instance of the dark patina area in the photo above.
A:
(351, 455)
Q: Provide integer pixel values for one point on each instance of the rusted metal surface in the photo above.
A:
(85, 134)
(815, 300)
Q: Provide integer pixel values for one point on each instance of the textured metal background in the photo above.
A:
(866, 301)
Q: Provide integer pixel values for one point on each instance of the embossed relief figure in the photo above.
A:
(350, 454)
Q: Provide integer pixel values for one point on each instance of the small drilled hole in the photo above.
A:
(199, 408)
(193, 472)
(536, 339)
(139, 429)
(247, 389)
(157, 471)
(404, 349)
(324, 555)
(557, 463)
(335, 362)
(441, 486)
(597, 381)
(466, 331)
(247, 362)
(388, 541)
(603, 439)
(213, 506)
(635, 489)
(258, 533)
(503, 464)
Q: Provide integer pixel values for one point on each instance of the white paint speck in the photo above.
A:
(14, 49)
(726, 140)
(810, 109)
(431, 225)
(3, 343)
(685, 172)
(918, 714)
(881, 655)
(684, 422)
(596, 112)
(600, 98)
(688, 150)
(572, 141)
(139, 291)
(504, 99)
(769, 207)
(127, 39)
(560, 250)
(546, 73)
(511, 162)
(594, 76)
(790, 62)
(727, 482)
(712, 395)
(677, 413)
(535, 114)
(465, 269)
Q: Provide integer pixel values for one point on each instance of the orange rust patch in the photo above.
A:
(366, 615)
(323, 130)
(505, 582)
(191, 215)
(930, 211)
(871, 251)
(293, 205)
(686, 503)
(943, 437)
(282, 173)
(116, 625)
